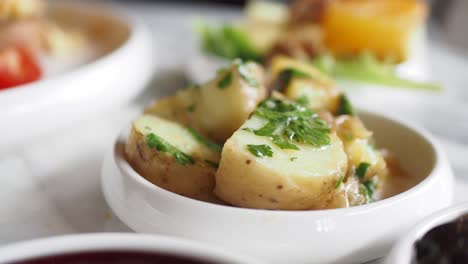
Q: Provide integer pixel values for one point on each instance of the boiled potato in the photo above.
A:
(20, 9)
(173, 157)
(257, 173)
(218, 108)
(359, 148)
(384, 27)
(304, 83)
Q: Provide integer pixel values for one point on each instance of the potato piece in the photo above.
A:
(305, 83)
(21, 9)
(288, 180)
(383, 27)
(358, 146)
(173, 158)
(218, 108)
(178, 107)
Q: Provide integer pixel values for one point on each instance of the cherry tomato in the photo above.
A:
(17, 66)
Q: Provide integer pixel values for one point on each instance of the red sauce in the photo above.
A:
(114, 257)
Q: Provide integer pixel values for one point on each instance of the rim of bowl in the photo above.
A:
(135, 27)
(126, 169)
(404, 248)
(81, 243)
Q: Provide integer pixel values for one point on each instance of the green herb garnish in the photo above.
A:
(303, 100)
(362, 169)
(285, 77)
(369, 187)
(340, 180)
(191, 108)
(266, 130)
(227, 41)
(283, 143)
(246, 76)
(291, 123)
(345, 107)
(158, 143)
(293, 158)
(225, 81)
(204, 140)
(260, 150)
(212, 164)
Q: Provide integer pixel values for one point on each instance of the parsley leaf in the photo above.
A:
(224, 82)
(285, 77)
(260, 150)
(303, 100)
(204, 140)
(156, 142)
(362, 169)
(212, 164)
(191, 108)
(246, 76)
(290, 122)
(345, 107)
(340, 180)
(369, 186)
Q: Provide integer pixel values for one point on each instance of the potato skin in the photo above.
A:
(195, 181)
(214, 112)
(244, 182)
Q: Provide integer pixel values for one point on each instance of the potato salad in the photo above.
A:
(279, 138)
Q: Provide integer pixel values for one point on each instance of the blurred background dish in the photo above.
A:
(80, 75)
(405, 250)
(102, 248)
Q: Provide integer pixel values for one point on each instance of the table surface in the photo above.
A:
(51, 186)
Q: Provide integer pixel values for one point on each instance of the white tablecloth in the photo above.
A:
(51, 185)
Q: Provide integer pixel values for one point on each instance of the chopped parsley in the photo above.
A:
(345, 107)
(212, 164)
(246, 75)
(290, 123)
(303, 100)
(369, 187)
(204, 140)
(362, 169)
(248, 129)
(340, 180)
(156, 142)
(293, 158)
(225, 81)
(285, 77)
(260, 150)
(191, 108)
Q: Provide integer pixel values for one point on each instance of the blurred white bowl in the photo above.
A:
(118, 242)
(351, 235)
(121, 64)
(402, 252)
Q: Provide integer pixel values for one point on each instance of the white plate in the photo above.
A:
(112, 70)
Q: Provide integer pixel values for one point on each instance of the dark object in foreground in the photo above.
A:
(446, 243)
(114, 257)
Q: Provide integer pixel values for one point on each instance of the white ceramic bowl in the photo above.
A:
(351, 235)
(119, 241)
(402, 252)
(119, 70)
